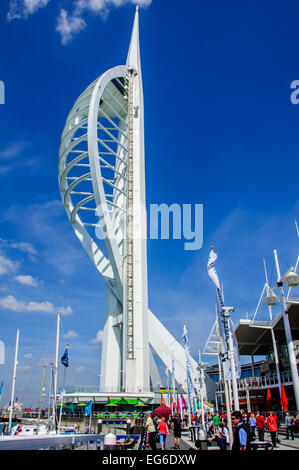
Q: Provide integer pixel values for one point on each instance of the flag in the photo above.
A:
(223, 323)
(88, 407)
(284, 400)
(162, 400)
(190, 379)
(168, 397)
(65, 358)
(179, 406)
(1, 386)
(173, 385)
(184, 404)
(269, 400)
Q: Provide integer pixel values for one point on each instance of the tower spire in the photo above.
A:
(133, 57)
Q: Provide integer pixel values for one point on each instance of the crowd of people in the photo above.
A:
(158, 429)
(247, 428)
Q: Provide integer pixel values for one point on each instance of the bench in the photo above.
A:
(255, 445)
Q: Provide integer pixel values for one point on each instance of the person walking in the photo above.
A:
(151, 430)
(177, 430)
(289, 422)
(260, 425)
(252, 423)
(241, 433)
(163, 432)
(272, 427)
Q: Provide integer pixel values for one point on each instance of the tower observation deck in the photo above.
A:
(102, 184)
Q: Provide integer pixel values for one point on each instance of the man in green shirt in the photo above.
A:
(216, 421)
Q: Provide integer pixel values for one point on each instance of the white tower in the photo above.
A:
(102, 184)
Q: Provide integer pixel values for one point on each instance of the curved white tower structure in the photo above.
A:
(102, 184)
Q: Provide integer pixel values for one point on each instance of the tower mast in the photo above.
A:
(136, 353)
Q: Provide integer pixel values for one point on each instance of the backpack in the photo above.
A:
(250, 434)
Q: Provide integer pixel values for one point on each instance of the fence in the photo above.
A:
(266, 381)
(52, 442)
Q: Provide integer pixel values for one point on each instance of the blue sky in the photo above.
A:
(220, 131)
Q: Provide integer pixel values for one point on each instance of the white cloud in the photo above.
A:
(68, 25)
(21, 9)
(98, 338)
(11, 303)
(22, 246)
(27, 280)
(28, 356)
(24, 368)
(70, 334)
(7, 266)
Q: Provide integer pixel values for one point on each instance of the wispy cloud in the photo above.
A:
(11, 303)
(28, 356)
(27, 280)
(24, 368)
(70, 334)
(7, 266)
(99, 337)
(68, 25)
(13, 157)
(22, 246)
(71, 23)
(22, 9)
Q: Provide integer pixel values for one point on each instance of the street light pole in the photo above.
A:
(232, 360)
(288, 334)
(273, 338)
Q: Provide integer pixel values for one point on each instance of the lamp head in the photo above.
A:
(291, 278)
(270, 298)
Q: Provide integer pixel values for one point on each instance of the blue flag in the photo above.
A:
(65, 358)
(1, 386)
(87, 410)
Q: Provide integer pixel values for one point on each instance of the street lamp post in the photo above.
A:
(287, 328)
(231, 353)
(270, 303)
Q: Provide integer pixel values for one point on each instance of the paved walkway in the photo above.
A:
(283, 445)
(184, 444)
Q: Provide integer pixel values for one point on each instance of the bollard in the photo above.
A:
(100, 425)
(128, 426)
(110, 442)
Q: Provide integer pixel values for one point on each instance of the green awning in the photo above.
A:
(124, 401)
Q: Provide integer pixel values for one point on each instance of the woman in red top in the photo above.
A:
(260, 424)
(163, 431)
(272, 427)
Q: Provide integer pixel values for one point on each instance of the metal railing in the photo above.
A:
(96, 389)
(266, 381)
(53, 442)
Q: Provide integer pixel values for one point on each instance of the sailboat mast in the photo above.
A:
(56, 361)
(13, 381)
(41, 392)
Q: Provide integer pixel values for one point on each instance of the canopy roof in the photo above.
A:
(163, 411)
(254, 338)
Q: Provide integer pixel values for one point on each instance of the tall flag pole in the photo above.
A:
(168, 394)
(174, 398)
(230, 353)
(188, 374)
(189, 370)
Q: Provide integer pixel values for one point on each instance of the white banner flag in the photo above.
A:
(223, 323)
